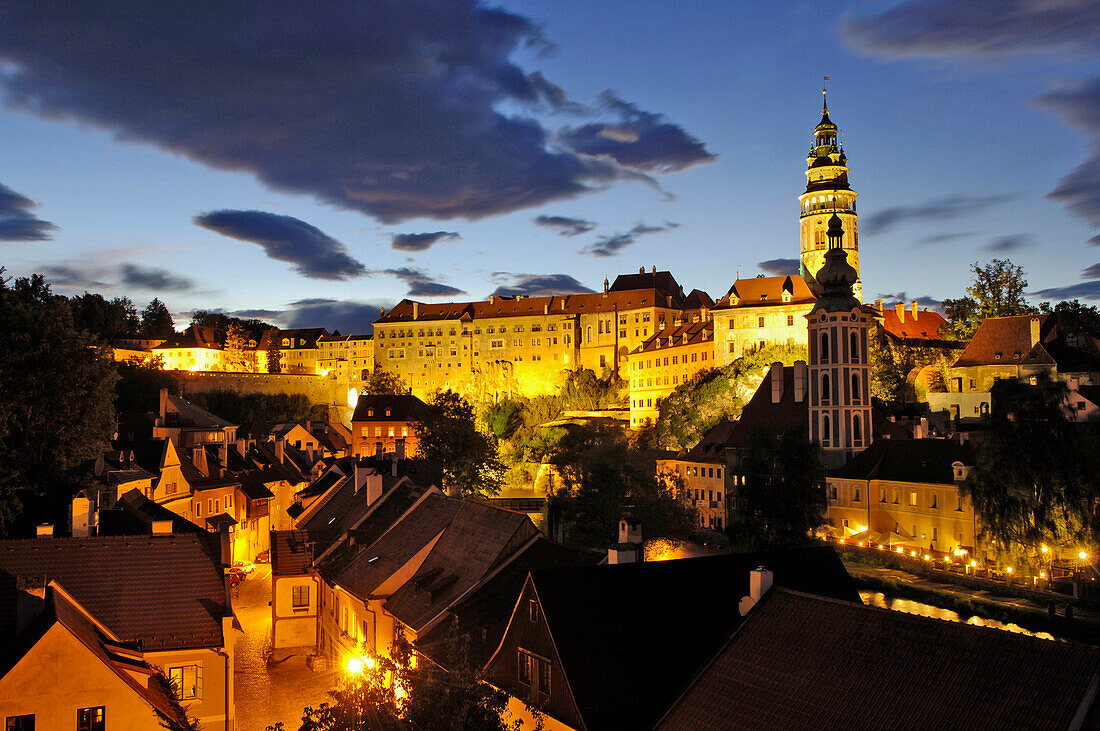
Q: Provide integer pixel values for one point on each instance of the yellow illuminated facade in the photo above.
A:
(827, 193)
(664, 361)
(758, 312)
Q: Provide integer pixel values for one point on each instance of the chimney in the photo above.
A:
(760, 581)
(226, 545)
(799, 381)
(381, 311)
(1034, 330)
(605, 285)
(546, 307)
(45, 530)
(279, 450)
(374, 488)
(654, 269)
(915, 312)
(641, 270)
(162, 527)
(198, 458)
(878, 305)
(393, 467)
(492, 299)
(163, 405)
(358, 476)
(223, 456)
(242, 447)
(776, 375)
(83, 516)
(629, 531)
(900, 309)
(416, 310)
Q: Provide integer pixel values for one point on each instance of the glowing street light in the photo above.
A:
(355, 665)
(1084, 556)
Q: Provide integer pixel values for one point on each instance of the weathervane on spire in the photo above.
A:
(824, 96)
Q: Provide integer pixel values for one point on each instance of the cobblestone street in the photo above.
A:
(267, 694)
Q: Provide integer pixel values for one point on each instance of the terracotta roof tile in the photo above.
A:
(766, 291)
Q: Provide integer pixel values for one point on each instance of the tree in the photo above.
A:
(239, 356)
(274, 351)
(178, 719)
(782, 496)
(55, 402)
(396, 693)
(997, 291)
(605, 479)
(1035, 479)
(887, 378)
(156, 321)
(448, 435)
(382, 382)
(1073, 316)
(104, 318)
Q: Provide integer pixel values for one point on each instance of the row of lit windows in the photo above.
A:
(649, 362)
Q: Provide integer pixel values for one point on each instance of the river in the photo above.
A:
(878, 599)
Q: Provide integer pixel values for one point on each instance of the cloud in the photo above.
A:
(1080, 188)
(779, 267)
(1012, 242)
(420, 284)
(1083, 290)
(977, 27)
(938, 209)
(396, 109)
(1095, 240)
(612, 244)
(17, 222)
(313, 253)
(565, 226)
(637, 139)
(943, 238)
(350, 317)
(152, 278)
(1093, 272)
(73, 275)
(890, 299)
(420, 242)
(537, 285)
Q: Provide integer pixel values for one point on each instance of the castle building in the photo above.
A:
(666, 360)
(760, 311)
(840, 373)
(827, 194)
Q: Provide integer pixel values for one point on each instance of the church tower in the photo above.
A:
(827, 194)
(840, 372)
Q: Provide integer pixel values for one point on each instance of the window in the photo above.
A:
(825, 430)
(20, 723)
(913, 498)
(533, 610)
(857, 430)
(855, 388)
(935, 501)
(855, 497)
(760, 322)
(824, 355)
(790, 320)
(525, 662)
(826, 391)
(91, 719)
(186, 680)
(299, 597)
(853, 348)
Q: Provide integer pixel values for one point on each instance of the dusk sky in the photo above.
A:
(308, 162)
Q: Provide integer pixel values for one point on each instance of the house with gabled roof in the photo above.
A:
(65, 667)
(385, 424)
(800, 660)
(164, 595)
(610, 646)
(760, 311)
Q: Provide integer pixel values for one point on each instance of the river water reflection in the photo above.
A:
(878, 599)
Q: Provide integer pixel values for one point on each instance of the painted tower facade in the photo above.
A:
(839, 331)
(827, 194)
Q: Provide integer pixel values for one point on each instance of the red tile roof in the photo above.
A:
(910, 325)
(691, 333)
(291, 552)
(766, 291)
(803, 661)
(1007, 341)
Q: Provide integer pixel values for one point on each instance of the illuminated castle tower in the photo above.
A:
(839, 329)
(827, 194)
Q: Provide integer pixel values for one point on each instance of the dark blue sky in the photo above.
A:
(308, 162)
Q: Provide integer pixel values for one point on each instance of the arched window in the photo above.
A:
(824, 348)
(825, 431)
(853, 347)
(855, 388)
(826, 392)
(857, 430)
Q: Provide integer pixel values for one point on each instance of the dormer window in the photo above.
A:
(387, 412)
(786, 297)
(997, 355)
(763, 298)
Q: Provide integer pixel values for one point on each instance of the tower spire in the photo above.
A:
(824, 96)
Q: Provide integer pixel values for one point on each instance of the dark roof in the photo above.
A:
(321, 485)
(477, 539)
(662, 282)
(254, 483)
(405, 407)
(134, 513)
(907, 460)
(302, 337)
(691, 333)
(183, 413)
(195, 336)
(291, 553)
(488, 609)
(1010, 338)
(165, 592)
(120, 658)
(630, 636)
(698, 299)
(801, 661)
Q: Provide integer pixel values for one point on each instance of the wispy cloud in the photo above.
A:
(536, 285)
(421, 242)
(313, 253)
(612, 244)
(779, 267)
(564, 225)
(17, 220)
(1083, 290)
(1013, 242)
(939, 209)
(350, 317)
(154, 279)
(943, 238)
(420, 284)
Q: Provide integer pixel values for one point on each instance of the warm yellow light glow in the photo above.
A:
(355, 665)
(1084, 556)
(1044, 548)
(861, 544)
(398, 691)
(927, 557)
(1042, 574)
(900, 550)
(860, 528)
(912, 553)
(973, 563)
(353, 397)
(1008, 569)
